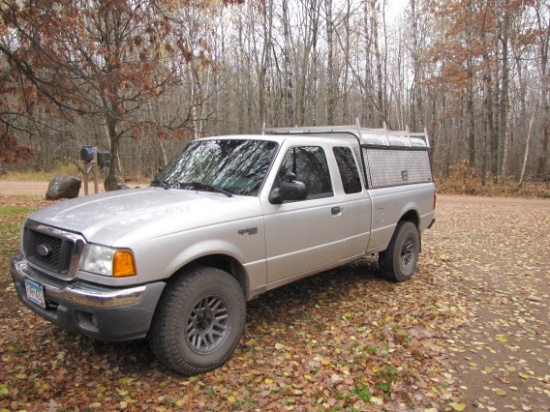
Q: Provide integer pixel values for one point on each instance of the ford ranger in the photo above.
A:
(228, 219)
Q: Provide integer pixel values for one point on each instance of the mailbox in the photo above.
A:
(104, 159)
(87, 153)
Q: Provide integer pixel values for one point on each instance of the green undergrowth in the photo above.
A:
(41, 175)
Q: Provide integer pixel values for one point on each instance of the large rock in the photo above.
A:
(63, 187)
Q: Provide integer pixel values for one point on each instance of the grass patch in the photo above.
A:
(38, 175)
(13, 211)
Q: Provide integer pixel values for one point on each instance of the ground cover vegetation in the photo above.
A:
(469, 331)
(138, 77)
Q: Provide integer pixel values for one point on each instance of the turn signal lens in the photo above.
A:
(123, 264)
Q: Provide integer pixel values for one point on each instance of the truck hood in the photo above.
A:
(105, 218)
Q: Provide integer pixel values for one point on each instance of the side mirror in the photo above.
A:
(290, 190)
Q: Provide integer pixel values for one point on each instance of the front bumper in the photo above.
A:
(100, 312)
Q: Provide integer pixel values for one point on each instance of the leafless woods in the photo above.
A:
(139, 77)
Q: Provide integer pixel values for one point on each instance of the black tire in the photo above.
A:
(199, 320)
(398, 261)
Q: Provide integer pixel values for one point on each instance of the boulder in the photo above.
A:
(63, 187)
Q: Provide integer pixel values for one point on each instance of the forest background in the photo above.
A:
(140, 77)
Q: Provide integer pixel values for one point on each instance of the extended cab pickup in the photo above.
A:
(226, 220)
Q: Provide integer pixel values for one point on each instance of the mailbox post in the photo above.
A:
(93, 159)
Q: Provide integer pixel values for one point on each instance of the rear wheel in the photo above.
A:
(398, 261)
(199, 320)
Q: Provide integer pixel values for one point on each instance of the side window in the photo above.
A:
(348, 169)
(309, 164)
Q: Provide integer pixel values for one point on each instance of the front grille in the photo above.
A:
(53, 247)
(55, 251)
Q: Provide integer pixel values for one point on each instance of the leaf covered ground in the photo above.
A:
(470, 331)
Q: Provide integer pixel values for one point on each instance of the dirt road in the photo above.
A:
(12, 187)
(498, 253)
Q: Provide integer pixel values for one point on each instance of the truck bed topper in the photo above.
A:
(389, 157)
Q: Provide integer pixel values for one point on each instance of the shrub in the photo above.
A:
(466, 180)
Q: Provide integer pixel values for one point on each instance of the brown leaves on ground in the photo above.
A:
(341, 340)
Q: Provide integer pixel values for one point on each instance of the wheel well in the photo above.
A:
(227, 264)
(410, 216)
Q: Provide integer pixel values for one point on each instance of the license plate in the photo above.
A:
(35, 293)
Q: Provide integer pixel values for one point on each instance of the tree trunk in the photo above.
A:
(366, 89)
(470, 86)
(378, 55)
(345, 97)
(289, 91)
(267, 21)
(416, 98)
(314, 61)
(331, 88)
(526, 156)
(543, 22)
(489, 151)
(504, 103)
(111, 181)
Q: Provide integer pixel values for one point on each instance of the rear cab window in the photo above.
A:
(348, 169)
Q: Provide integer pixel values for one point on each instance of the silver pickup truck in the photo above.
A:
(226, 220)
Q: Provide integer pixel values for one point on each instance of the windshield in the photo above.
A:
(237, 167)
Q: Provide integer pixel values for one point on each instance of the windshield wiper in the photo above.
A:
(162, 183)
(205, 186)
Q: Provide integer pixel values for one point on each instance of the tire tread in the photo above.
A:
(162, 336)
(389, 260)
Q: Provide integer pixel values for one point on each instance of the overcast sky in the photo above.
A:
(395, 8)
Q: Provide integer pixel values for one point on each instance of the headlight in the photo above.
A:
(107, 261)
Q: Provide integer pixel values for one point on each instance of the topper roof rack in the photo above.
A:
(366, 137)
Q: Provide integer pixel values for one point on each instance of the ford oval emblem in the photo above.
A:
(42, 250)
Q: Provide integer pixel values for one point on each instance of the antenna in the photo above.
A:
(358, 124)
(426, 136)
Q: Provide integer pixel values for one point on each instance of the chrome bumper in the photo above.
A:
(81, 294)
(104, 313)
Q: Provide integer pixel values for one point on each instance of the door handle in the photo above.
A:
(336, 210)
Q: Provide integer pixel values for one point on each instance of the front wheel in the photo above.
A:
(199, 320)
(398, 261)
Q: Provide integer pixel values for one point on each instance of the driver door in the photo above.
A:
(302, 236)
